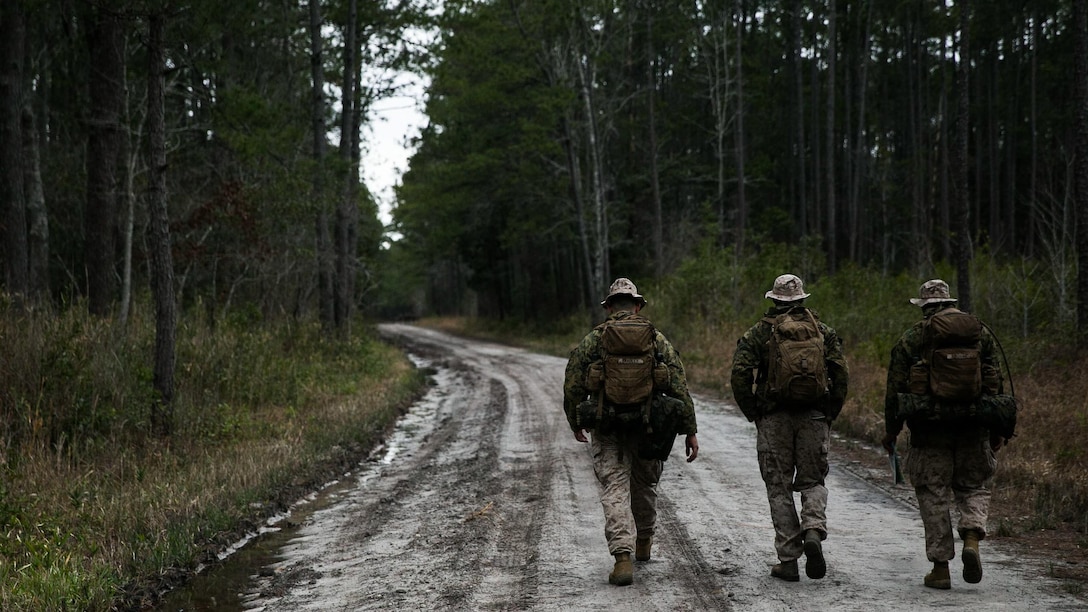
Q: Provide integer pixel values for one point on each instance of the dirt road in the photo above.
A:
(482, 500)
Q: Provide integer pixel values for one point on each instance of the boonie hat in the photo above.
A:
(623, 286)
(787, 288)
(932, 292)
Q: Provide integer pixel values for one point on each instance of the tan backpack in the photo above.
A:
(952, 354)
(627, 357)
(796, 364)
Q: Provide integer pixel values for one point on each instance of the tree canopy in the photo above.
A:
(573, 141)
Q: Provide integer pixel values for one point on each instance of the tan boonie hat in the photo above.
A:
(622, 286)
(931, 292)
(787, 288)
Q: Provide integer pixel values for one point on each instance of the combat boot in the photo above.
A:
(815, 566)
(786, 570)
(624, 572)
(642, 548)
(938, 577)
(972, 563)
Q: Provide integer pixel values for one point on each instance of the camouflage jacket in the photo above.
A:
(908, 351)
(589, 351)
(750, 366)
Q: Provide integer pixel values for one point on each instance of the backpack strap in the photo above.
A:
(815, 324)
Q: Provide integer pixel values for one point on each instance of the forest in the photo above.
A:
(572, 142)
(567, 142)
(191, 262)
(242, 121)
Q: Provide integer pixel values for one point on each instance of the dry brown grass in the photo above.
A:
(135, 511)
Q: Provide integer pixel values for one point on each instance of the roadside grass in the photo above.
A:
(97, 514)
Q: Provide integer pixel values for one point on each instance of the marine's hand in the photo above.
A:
(889, 443)
(580, 435)
(691, 447)
(996, 442)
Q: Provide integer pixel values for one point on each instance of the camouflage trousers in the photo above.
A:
(951, 469)
(628, 489)
(792, 449)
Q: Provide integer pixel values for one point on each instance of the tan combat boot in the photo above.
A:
(624, 572)
(938, 577)
(972, 563)
(642, 549)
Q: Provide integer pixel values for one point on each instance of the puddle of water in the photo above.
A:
(224, 588)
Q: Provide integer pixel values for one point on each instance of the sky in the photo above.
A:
(393, 123)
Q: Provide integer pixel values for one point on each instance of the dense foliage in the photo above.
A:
(571, 142)
(248, 184)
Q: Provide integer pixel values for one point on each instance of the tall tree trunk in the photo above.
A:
(945, 160)
(106, 88)
(716, 61)
(961, 226)
(574, 169)
(131, 154)
(12, 194)
(586, 78)
(798, 113)
(861, 151)
(162, 263)
(919, 216)
(1080, 170)
(742, 198)
(344, 257)
(655, 184)
(355, 188)
(832, 222)
(1033, 202)
(37, 218)
(323, 246)
(993, 150)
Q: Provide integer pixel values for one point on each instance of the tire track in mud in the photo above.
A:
(497, 559)
(700, 576)
(511, 574)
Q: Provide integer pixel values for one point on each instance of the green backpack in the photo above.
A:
(796, 364)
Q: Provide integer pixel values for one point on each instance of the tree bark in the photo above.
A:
(12, 194)
(961, 226)
(345, 259)
(106, 89)
(832, 222)
(742, 198)
(36, 215)
(945, 160)
(861, 150)
(323, 246)
(798, 112)
(655, 183)
(162, 263)
(1080, 170)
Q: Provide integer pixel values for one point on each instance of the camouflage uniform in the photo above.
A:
(945, 463)
(628, 485)
(791, 442)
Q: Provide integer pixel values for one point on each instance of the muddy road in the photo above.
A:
(482, 500)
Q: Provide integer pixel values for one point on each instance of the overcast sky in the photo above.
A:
(394, 123)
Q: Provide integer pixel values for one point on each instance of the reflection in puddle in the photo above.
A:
(226, 587)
